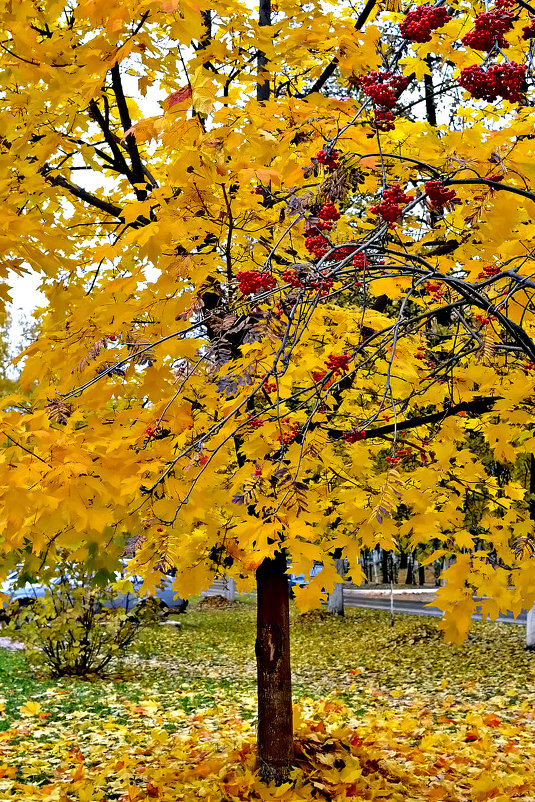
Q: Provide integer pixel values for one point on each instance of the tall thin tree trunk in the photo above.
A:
(385, 567)
(335, 603)
(410, 571)
(421, 575)
(275, 726)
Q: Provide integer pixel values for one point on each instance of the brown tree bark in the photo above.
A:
(275, 725)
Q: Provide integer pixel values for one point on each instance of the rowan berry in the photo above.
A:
(317, 244)
(255, 423)
(383, 87)
(528, 31)
(328, 211)
(354, 435)
(383, 120)
(252, 281)
(418, 24)
(338, 364)
(291, 277)
(438, 195)
(290, 435)
(500, 80)
(329, 158)
(390, 207)
(489, 29)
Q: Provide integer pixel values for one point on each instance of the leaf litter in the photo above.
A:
(380, 712)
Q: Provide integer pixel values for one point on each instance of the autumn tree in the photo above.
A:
(277, 320)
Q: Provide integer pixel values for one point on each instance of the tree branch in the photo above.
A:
(126, 122)
(477, 406)
(330, 68)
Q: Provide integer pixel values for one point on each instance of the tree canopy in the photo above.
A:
(294, 309)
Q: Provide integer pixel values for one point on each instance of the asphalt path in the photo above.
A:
(354, 599)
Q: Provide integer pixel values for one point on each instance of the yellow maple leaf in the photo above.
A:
(30, 709)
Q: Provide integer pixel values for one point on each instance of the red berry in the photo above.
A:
(500, 80)
(438, 195)
(354, 435)
(390, 207)
(328, 157)
(338, 364)
(528, 32)
(489, 29)
(292, 277)
(383, 87)
(418, 24)
(252, 281)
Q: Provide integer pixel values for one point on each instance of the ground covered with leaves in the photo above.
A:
(380, 713)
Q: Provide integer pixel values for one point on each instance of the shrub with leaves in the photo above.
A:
(78, 626)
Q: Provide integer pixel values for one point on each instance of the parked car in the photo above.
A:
(32, 591)
(301, 580)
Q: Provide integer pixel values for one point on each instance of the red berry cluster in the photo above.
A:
(434, 289)
(418, 24)
(354, 435)
(359, 261)
(329, 158)
(528, 32)
(500, 80)
(393, 460)
(324, 285)
(270, 387)
(255, 423)
(490, 270)
(317, 244)
(329, 212)
(390, 207)
(252, 281)
(384, 120)
(383, 87)
(289, 436)
(489, 29)
(420, 353)
(291, 277)
(438, 195)
(484, 319)
(152, 431)
(339, 364)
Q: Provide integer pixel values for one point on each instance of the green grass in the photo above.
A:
(211, 657)
(173, 678)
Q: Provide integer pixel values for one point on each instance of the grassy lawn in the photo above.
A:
(381, 713)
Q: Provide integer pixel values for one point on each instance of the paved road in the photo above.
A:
(352, 599)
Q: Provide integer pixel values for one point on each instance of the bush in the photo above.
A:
(74, 629)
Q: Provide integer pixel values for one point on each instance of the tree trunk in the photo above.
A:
(421, 575)
(336, 598)
(410, 572)
(385, 567)
(275, 727)
(530, 630)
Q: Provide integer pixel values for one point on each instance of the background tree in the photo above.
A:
(275, 318)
